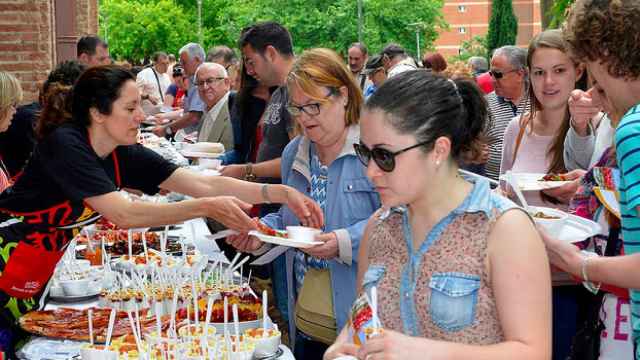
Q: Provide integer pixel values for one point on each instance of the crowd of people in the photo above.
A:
(369, 149)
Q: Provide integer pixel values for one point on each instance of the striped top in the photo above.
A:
(501, 111)
(627, 140)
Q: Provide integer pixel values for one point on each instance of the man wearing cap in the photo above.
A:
(374, 70)
(396, 60)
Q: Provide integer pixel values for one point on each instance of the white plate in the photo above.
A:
(577, 229)
(199, 154)
(530, 182)
(283, 241)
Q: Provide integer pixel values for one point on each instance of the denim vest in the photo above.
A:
(442, 289)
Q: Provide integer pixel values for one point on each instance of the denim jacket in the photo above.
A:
(351, 200)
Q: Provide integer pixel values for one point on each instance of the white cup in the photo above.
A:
(206, 163)
(302, 233)
(75, 287)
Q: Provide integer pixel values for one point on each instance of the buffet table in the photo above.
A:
(40, 348)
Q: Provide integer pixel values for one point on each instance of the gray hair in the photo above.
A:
(478, 63)
(215, 66)
(360, 46)
(193, 50)
(224, 53)
(516, 56)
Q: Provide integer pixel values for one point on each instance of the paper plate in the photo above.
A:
(284, 241)
(577, 229)
(531, 182)
(199, 154)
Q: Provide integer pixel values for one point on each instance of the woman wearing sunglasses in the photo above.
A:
(459, 270)
(325, 101)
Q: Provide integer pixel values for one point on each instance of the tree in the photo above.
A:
(135, 30)
(503, 26)
(313, 23)
(477, 46)
(558, 12)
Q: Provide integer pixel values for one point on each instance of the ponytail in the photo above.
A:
(474, 118)
(56, 110)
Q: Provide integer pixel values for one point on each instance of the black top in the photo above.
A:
(17, 143)
(277, 124)
(47, 203)
(65, 167)
(245, 122)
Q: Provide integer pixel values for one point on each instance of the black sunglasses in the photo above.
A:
(385, 159)
(499, 74)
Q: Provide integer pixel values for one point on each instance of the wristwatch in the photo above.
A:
(248, 172)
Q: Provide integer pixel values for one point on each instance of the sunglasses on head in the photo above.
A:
(500, 74)
(384, 159)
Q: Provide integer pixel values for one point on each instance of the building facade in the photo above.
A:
(469, 18)
(35, 35)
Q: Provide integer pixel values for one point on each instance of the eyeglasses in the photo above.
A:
(312, 109)
(500, 74)
(210, 81)
(385, 159)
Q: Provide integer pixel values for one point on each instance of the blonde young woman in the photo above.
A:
(534, 143)
(10, 96)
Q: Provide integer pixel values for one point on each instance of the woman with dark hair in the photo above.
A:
(250, 103)
(73, 178)
(453, 282)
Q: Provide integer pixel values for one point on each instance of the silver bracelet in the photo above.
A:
(593, 288)
(265, 194)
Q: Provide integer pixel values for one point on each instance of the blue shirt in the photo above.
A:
(627, 140)
(192, 102)
(370, 90)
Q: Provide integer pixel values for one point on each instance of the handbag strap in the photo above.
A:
(158, 82)
(523, 126)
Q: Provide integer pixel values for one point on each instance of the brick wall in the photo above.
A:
(28, 38)
(26, 42)
(469, 18)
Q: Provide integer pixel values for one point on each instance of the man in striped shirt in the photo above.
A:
(509, 74)
(604, 35)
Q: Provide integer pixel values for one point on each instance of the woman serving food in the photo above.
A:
(73, 178)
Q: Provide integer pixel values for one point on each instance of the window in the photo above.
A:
(462, 8)
(462, 30)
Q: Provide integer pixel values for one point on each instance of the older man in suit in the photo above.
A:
(213, 85)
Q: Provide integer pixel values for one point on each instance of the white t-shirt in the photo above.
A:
(148, 85)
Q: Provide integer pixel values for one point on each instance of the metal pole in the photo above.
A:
(200, 23)
(359, 20)
(417, 42)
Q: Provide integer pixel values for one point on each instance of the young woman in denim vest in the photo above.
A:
(459, 273)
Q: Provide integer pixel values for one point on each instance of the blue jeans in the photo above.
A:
(565, 318)
(279, 284)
